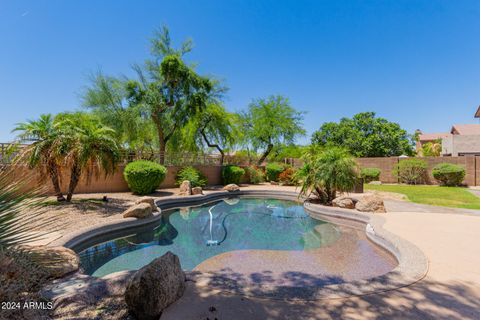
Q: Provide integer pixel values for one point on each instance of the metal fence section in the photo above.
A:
(8, 151)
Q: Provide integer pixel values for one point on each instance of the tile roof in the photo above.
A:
(466, 129)
(433, 136)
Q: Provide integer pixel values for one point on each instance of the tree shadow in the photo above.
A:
(427, 299)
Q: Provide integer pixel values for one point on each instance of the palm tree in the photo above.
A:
(41, 153)
(90, 148)
(431, 149)
(327, 171)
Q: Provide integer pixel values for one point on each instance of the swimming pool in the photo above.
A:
(245, 235)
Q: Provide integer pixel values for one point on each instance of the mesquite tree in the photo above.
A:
(270, 122)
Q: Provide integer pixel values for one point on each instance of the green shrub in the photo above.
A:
(326, 172)
(273, 170)
(196, 178)
(288, 177)
(255, 174)
(370, 174)
(144, 177)
(232, 174)
(449, 174)
(411, 171)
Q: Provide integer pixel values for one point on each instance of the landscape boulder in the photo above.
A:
(155, 286)
(344, 202)
(139, 211)
(185, 188)
(197, 190)
(231, 187)
(58, 261)
(148, 200)
(371, 203)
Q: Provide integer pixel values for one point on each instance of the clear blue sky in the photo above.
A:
(413, 62)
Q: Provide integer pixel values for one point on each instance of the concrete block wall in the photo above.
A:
(386, 165)
(111, 183)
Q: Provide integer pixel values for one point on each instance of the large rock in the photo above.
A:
(154, 287)
(139, 211)
(197, 190)
(231, 187)
(344, 202)
(58, 261)
(370, 203)
(185, 188)
(148, 200)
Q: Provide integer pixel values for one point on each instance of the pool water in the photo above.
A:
(196, 234)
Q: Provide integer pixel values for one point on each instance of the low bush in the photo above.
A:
(144, 177)
(411, 171)
(232, 174)
(255, 174)
(449, 174)
(273, 170)
(288, 177)
(370, 174)
(195, 176)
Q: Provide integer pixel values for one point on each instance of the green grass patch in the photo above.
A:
(455, 197)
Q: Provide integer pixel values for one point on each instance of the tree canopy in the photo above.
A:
(270, 122)
(365, 135)
(167, 91)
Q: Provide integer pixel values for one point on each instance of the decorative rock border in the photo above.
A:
(412, 263)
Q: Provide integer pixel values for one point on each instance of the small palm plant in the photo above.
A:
(89, 147)
(326, 172)
(41, 154)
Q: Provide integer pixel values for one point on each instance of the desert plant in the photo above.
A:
(255, 174)
(370, 174)
(144, 177)
(449, 174)
(288, 177)
(21, 213)
(232, 174)
(42, 153)
(432, 149)
(273, 170)
(411, 171)
(89, 147)
(195, 176)
(327, 171)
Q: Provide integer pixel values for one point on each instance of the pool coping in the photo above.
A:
(412, 262)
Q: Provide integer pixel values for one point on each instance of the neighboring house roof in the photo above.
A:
(466, 129)
(477, 114)
(425, 137)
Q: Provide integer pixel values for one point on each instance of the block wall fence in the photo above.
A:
(116, 182)
(386, 165)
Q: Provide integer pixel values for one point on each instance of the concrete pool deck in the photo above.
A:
(451, 289)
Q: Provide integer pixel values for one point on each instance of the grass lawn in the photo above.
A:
(439, 196)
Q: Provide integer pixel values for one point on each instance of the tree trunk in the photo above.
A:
(265, 154)
(161, 139)
(162, 147)
(53, 172)
(75, 173)
(213, 146)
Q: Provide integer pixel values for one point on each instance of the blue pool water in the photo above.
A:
(198, 233)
